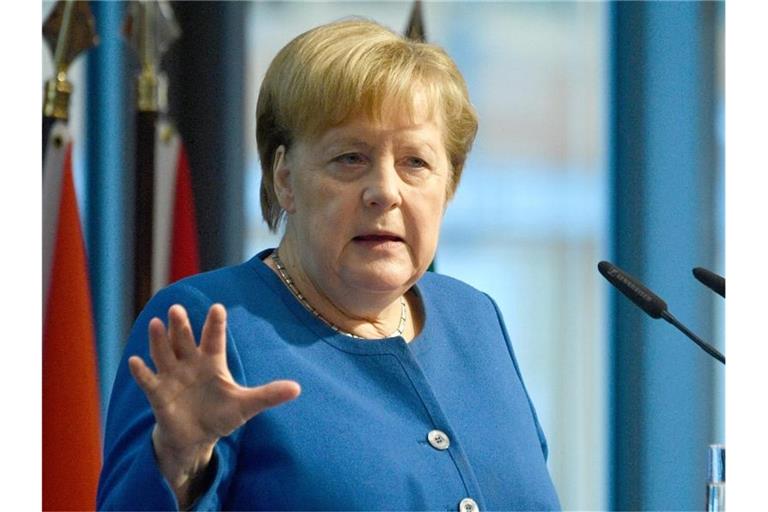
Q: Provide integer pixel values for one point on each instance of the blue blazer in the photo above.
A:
(380, 425)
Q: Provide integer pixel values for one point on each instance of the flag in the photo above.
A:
(174, 242)
(165, 247)
(71, 416)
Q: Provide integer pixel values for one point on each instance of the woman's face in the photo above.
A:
(365, 201)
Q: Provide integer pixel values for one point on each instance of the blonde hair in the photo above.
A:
(328, 74)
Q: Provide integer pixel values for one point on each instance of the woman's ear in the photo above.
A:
(282, 179)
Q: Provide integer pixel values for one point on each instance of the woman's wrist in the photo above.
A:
(183, 468)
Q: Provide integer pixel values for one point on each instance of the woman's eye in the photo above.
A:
(351, 159)
(415, 162)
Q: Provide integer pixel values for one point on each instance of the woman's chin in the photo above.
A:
(389, 281)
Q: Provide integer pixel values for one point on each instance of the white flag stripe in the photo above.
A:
(59, 139)
(167, 146)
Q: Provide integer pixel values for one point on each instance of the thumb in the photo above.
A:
(257, 399)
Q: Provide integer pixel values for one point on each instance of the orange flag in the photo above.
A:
(71, 418)
(174, 243)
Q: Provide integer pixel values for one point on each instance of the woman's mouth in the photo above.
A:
(378, 241)
(378, 238)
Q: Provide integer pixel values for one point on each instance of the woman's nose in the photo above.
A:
(382, 189)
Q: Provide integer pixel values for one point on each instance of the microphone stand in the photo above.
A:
(716, 478)
(655, 306)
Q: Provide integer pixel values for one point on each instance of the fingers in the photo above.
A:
(178, 342)
(160, 346)
(255, 400)
(180, 333)
(214, 337)
(143, 376)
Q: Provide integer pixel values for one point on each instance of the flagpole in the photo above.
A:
(150, 29)
(68, 30)
(415, 32)
(415, 29)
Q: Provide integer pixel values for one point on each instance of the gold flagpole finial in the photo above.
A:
(150, 28)
(68, 30)
(415, 29)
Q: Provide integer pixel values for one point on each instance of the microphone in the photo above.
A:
(650, 303)
(711, 280)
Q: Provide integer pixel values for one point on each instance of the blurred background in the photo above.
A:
(601, 138)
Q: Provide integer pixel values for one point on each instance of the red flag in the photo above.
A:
(175, 227)
(71, 424)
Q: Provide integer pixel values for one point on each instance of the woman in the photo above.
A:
(404, 390)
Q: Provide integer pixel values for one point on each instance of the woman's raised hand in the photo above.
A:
(194, 397)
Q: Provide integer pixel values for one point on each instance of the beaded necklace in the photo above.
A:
(283, 273)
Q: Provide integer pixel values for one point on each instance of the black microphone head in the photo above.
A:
(631, 287)
(711, 280)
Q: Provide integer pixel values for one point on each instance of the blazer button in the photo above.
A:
(438, 439)
(468, 505)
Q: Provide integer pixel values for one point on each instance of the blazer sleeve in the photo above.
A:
(130, 478)
(539, 430)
